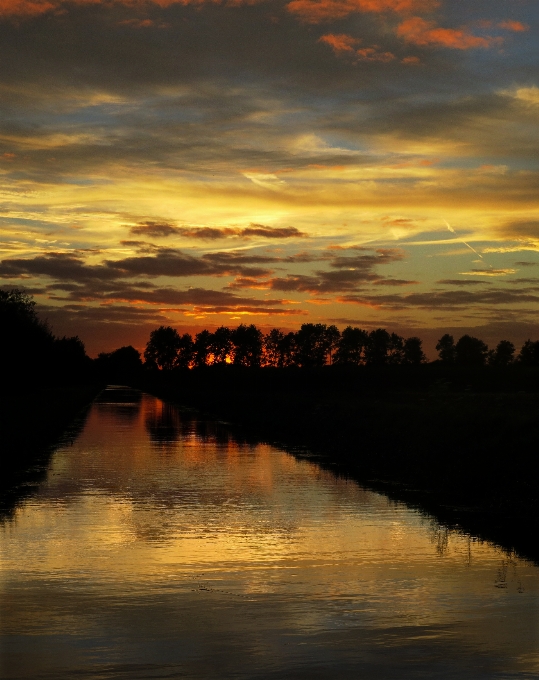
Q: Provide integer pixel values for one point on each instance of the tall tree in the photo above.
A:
(351, 347)
(378, 347)
(272, 348)
(202, 348)
(162, 348)
(413, 354)
(470, 351)
(314, 344)
(529, 353)
(446, 349)
(247, 341)
(221, 345)
(186, 351)
(503, 355)
(395, 350)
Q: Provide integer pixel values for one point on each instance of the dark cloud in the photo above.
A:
(396, 282)
(154, 229)
(526, 229)
(454, 299)
(164, 230)
(165, 262)
(353, 271)
(56, 265)
(463, 282)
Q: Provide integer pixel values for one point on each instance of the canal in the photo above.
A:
(161, 546)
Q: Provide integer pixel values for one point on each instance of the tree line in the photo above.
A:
(313, 346)
(30, 351)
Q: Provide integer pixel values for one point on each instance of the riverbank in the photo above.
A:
(463, 449)
(31, 422)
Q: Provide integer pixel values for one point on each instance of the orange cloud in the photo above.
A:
(317, 11)
(25, 8)
(345, 43)
(143, 23)
(339, 43)
(421, 32)
(513, 26)
(411, 60)
(372, 54)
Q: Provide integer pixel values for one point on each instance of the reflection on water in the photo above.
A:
(160, 547)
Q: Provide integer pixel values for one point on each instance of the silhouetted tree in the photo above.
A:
(529, 353)
(332, 337)
(503, 355)
(202, 348)
(122, 364)
(247, 341)
(378, 346)
(413, 354)
(314, 344)
(69, 357)
(470, 351)
(25, 340)
(272, 348)
(221, 345)
(28, 349)
(162, 348)
(446, 349)
(186, 351)
(279, 348)
(395, 352)
(352, 346)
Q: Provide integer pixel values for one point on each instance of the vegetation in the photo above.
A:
(317, 345)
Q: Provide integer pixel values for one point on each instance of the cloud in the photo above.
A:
(516, 26)
(318, 11)
(164, 230)
(166, 262)
(462, 282)
(352, 271)
(530, 95)
(154, 229)
(450, 300)
(489, 272)
(340, 43)
(266, 180)
(374, 54)
(520, 230)
(61, 266)
(419, 31)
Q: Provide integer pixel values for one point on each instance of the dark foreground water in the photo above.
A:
(159, 547)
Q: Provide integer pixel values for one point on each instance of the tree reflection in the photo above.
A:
(164, 425)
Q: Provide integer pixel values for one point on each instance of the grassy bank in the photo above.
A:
(463, 446)
(31, 422)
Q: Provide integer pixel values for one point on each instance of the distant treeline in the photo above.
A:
(31, 352)
(312, 346)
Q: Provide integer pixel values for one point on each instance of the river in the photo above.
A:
(160, 546)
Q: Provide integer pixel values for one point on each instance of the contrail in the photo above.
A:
(463, 241)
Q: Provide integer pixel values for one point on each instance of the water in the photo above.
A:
(160, 547)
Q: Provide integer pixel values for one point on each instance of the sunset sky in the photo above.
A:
(364, 162)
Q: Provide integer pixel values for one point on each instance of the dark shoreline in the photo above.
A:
(462, 448)
(33, 421)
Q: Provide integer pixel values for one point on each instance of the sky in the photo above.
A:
(199, 163)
